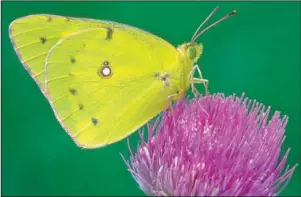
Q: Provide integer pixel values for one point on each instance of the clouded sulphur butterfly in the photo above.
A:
(104, 80)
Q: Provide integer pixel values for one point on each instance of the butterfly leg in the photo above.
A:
(201, 79)
(194, 90)
(170, 97)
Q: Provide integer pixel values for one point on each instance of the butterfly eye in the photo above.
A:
(191, 52)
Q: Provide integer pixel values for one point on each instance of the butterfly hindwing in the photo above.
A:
(98, 109)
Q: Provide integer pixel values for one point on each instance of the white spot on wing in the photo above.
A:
(106, 71)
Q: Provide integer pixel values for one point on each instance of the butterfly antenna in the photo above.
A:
(213, 24)
(208, 17)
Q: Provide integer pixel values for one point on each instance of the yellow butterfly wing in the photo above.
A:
(34, 35)
(101, 78)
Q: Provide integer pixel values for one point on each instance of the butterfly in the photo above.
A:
(104, 80)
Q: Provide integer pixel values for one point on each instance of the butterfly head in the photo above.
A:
(192, 51)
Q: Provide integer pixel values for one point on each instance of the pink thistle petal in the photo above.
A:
(213, 146)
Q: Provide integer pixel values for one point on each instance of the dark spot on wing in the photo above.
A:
(72, 60)
(94, 121)
(43, 40)
(156, 75)
(72, 91)
(80, 106)
(106, 63)
(68, 19)
(49, 19)
(109, 33)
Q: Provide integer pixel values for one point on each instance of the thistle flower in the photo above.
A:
(213, 146)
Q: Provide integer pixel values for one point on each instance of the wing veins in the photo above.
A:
(68, 116)
(37, 74)
(29, 31)
(57, 78)
(124, 111)
(34, 57)
(58, 98)
(80, 131)
(26, 45)
(117, 91)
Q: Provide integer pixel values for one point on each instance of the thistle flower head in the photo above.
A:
(213, 146)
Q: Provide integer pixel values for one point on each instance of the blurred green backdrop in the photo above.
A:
(256, 52)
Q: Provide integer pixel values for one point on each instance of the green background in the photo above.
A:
(256, 52)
